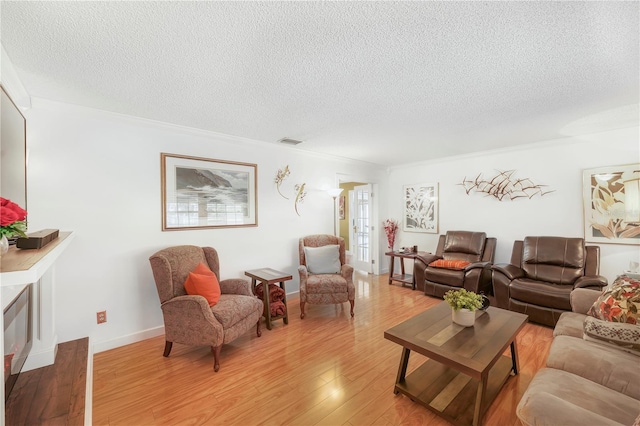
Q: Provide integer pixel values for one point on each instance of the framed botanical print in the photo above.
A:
(206, 193)
(611, 197)
(421, 208)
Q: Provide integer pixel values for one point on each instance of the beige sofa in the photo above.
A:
(584, 382)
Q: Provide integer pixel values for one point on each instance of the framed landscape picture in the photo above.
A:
(611, 197)
(421, 208)
(206, 193)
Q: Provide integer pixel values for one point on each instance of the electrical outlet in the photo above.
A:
(101, 317)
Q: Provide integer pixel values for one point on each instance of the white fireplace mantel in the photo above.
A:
(19, 268)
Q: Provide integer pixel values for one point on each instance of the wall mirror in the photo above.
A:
(13, 152)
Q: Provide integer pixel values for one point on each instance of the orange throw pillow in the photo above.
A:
(449, 264)
(203, 282)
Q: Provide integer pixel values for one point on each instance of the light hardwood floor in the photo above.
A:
(327, 369)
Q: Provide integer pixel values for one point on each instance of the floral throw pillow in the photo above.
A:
(614, 319)
(620, 303)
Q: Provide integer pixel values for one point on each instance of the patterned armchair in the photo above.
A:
(324, 288)
(188, 319)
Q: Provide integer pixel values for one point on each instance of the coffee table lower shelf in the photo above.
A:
(450, 393)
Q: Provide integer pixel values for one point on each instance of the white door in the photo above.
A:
(362, 208)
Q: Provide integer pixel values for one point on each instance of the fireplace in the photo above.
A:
(16, 301)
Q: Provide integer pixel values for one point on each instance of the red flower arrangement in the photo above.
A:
(390, 228)
(12, 219)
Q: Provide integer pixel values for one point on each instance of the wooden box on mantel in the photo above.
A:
(37, 240)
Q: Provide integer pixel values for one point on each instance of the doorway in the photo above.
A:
(357, 218)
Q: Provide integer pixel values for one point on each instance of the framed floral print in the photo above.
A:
(206, 193)
(611, 197)
(421, 208)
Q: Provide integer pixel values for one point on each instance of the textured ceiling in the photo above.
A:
(384, 82)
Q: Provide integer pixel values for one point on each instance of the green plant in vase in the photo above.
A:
(463, 305)
(463, 299)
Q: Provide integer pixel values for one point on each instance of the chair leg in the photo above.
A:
(215, 350)
(167, 348)
(258, 327)
(352, 303)
(302, 309)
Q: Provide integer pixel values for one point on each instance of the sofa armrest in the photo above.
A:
(595, 282)
(346, 271)
(426, 258)
(189, 320)
(236, 286)
(582, 299)
(510, 271)
(183, 309)
(477, 265)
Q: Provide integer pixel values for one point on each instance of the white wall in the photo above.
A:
(556, 163)
(98, 174)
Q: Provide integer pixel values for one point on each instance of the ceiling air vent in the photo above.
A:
(288, 141)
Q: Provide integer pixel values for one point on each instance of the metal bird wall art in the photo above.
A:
(504, 186)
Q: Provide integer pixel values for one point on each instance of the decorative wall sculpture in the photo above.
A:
(280, 177)
(283, 174)
(300, 193)
(504, 186)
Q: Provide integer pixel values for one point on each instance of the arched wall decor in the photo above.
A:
(504, 186)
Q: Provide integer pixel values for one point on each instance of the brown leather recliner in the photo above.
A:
(543, 273)
(472, 247)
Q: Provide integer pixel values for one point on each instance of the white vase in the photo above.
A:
(4, 245)
(463, 317)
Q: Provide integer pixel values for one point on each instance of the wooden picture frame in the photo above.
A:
(609, 217)
(201, 193)
(341, 207)
(420, 208)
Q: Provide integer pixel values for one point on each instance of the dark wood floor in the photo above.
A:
(54, 394)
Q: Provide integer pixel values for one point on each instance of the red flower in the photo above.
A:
(7, 216)
(11, 212)
(390, 228)
(12, 218)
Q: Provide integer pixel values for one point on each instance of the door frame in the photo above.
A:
(375, 219)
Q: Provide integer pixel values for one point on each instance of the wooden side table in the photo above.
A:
(270, 276)
(402, 277)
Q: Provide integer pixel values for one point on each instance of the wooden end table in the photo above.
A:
(466, 367)
(270, 276)
(402, 277)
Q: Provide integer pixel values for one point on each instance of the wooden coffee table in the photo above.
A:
(466, 366)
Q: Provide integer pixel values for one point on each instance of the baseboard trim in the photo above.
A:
(127, 339)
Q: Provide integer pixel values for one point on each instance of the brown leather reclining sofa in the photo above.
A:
(473, 247)
(542, 274)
